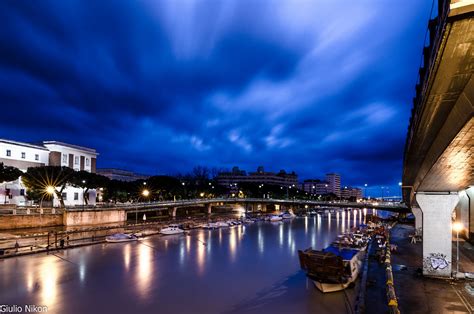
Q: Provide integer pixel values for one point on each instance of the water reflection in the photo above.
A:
(232, 243)
(159, 272)
(126, 256)
(145, 271)
(48, 276)
(201, 252)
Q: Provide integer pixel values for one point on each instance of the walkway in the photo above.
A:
(418, 294)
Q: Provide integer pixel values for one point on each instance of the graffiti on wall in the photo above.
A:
(435, 262)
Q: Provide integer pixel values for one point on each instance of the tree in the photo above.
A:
(88, 180)
(8, 174)
(40, 179)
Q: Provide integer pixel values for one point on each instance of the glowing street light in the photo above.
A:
(457, 226)
(50, 189)
(145, 193)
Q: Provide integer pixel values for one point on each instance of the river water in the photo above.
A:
(243, 269)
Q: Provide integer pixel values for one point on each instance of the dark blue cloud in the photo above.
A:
(161, 86)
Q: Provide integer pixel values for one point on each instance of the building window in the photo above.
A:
(76, 160)
(37, 157)
(64, 195)
(9, 152)
(76, 196)
(87, 161)
(22, 192)
(64, 159)
(23, 155)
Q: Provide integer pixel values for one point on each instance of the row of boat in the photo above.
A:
(179, 229)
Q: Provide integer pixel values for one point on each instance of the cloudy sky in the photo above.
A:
(161, 86)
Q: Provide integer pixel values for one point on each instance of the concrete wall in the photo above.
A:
(464, 212)
(94, 217)
(30, 221)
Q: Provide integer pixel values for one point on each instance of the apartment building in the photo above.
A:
(260, 176)
(48, 153)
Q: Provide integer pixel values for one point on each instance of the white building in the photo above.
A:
(48, 153)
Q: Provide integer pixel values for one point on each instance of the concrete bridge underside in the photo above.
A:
(438, 163)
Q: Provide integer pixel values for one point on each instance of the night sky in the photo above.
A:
(163, 86)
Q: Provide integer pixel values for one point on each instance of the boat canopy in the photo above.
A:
(345, 253)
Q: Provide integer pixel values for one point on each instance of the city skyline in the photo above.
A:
(163, 87)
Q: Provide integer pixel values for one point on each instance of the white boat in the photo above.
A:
(275, 218)
(220, 224)
(288, 216)
(171, 229)
(121, 237)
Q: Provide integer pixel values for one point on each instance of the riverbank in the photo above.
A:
(416, 293)
(38, 240)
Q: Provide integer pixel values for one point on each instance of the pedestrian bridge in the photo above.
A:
(438, 160)
(254, 203)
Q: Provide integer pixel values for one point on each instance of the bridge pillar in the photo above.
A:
(437, 234)
(209, 208)
(418, 217)
(172, 212)
(264, 207)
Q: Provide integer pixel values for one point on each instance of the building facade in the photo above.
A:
(350, 192)
(48, 153)
(334, 183)
(237, 176)
(315, 187)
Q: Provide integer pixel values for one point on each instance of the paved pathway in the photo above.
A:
(418, 294)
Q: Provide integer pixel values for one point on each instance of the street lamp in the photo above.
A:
(457, 226)
(365, 190)
(83, 196)
(49, 190)
(400, 185)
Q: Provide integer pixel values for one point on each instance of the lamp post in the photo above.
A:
(400, 185)
(457, 226)
(50, 191)
(365, 190)
(145, 194)
(83, 196)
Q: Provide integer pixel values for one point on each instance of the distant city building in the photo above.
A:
(281, 178)
(349, 192)
(48, 153)
(121, 175)
(315, 186)
(334, 183)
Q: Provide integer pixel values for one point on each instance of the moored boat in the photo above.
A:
(121, 237)
(332, 269)
(275, 218)
(171, 229)
(288, 215)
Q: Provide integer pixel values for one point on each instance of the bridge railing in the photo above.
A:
(435, 29)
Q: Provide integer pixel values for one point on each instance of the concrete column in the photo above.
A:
(172, 212)
(209, 208)
(418, 218)
(437, 234)
(264, 207)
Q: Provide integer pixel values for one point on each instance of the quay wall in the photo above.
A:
(30, 221)
(94, 217)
